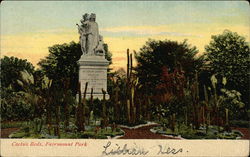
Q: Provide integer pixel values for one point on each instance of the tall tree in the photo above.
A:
(156, 54)
(61, 63)
(228, 56)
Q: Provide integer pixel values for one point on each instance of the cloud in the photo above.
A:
(145, 31)
(34, 45)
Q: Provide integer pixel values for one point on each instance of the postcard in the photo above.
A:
(125, 78)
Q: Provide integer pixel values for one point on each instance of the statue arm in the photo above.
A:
(80, 29)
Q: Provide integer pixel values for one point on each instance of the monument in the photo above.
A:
(92, 64)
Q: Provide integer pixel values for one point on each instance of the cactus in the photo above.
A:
(226, 110)
(128, 64)
(80, 108)
(91, 97)
(104, 121)
(132, 86)
(128, 92)
(91, 104)
(128, 110)
(57, 127)
(117, 103)
(216, 100)
(65, 103)
(131, 65)
(207, 119)
(195, 99)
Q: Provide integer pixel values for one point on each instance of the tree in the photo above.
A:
(61, 63)
(228, 56)
(11, 68)
(156, 54)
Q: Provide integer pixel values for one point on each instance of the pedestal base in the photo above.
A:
(93, 69)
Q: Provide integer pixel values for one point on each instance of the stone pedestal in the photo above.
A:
(93, 69)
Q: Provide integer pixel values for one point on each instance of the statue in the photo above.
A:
(100, 49)
(82, 31)
(90, 40)
(92, 65)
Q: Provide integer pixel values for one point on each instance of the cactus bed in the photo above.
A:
(194, 103)
(90, 132)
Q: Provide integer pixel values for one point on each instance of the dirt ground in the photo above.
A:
(244, 131)
(142, 133)
(145, 133)
(7, 131)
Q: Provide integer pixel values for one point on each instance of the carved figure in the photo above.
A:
(93, 34)
(90, 40)
(82, 31)
(100, 49)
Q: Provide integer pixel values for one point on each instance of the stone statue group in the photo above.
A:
(90, 40)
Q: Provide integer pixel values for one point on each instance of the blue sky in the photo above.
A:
(29, 16)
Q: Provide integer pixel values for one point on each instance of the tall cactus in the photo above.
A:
(132, 85)
(216, 100)
(195, 99)
(91, 104)
(104, 110)
(207, 118)
(91, 97)
(80, 108)
(57, 127)
(116, 103)
(128, 64)
(128, 92)
(66, 96)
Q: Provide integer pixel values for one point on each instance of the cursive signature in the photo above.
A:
(118, 150)
(168, 150)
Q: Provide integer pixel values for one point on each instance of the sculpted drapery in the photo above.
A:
(90, 40)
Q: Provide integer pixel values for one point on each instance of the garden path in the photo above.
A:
(244, 131)
(142, 133)
(7, 131)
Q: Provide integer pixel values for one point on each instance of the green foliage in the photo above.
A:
(95, 107)
(14, 105)
(38, 131)
(61, 63)
(11, 68)
(232, 100)
(228, 56)
(240, 123)
(228, 99)
(156, 54)
(18, 134)
(13, 124)
(189, 133)
(19, 99)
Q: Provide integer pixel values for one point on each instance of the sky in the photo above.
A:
(28, 28)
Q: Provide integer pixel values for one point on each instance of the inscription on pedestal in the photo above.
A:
(96, 78)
